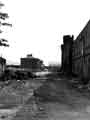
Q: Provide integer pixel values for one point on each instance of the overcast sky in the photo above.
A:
(39, 25)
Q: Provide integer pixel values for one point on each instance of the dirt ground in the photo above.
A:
(61, 102)
(56, 100)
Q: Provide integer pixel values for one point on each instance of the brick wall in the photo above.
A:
(81, 53)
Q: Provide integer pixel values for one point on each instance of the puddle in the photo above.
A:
(8, 114)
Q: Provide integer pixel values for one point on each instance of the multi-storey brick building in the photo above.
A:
(80, 53)
(31, 63)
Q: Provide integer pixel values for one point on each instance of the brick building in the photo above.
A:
(81, 53)
(76, 53)
(31, 63)
(66, 49)
(2, 65)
